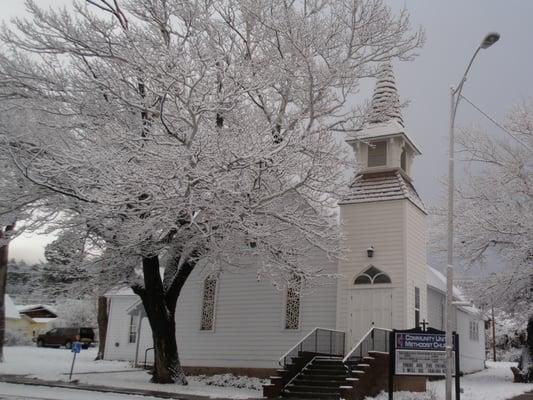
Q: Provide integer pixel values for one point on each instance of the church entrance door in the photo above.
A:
(369, 306)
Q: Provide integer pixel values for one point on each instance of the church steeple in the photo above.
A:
(385, 101)
(383, 144)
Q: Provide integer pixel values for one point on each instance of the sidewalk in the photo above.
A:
(23, 380)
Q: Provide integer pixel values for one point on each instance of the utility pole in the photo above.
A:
(493, 322)
(455, 96)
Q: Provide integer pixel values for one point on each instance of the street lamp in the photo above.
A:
(455, 96)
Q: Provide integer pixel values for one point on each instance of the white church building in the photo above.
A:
(235, 323)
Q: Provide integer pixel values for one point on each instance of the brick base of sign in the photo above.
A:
(374, 378)
(252, 372)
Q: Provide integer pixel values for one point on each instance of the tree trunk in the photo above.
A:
(102, 326)
(4, 234)
(530, 336)
(167, 366)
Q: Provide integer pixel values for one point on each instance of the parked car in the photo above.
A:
(58, 337)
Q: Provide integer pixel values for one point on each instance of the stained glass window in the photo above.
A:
(371, 275)
(292, 308)
(208, 304)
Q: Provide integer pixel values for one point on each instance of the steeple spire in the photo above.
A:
(385, 101)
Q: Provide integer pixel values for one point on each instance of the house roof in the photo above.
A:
(11, 310)
(43, 320)
(381, 186)
(120, 291)
(437, 280)
(37, 310)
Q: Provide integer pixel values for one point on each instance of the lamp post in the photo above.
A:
(455, 96)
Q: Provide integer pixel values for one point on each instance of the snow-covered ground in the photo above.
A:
(54, 364)
(493, 383)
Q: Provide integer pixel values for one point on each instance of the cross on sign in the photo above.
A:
(424, 324)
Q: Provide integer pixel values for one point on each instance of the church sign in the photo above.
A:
(422, 352)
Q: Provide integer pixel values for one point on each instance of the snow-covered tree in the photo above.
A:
(495, 211)
(76, 313)
(198, 131)
(495, 208)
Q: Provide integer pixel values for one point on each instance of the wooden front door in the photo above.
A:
(368, 307)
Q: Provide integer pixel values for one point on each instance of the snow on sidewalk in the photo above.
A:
(493, 383)
(54, 364)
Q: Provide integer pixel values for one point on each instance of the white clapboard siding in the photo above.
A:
(435, 307)
(249, 321)
(472, 352)
(380, 224)
(415, 261)
(117, 346)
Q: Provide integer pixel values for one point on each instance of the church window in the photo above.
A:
(208, 304)
(132, 330)
(377, 154)
(474, 330)
(292, 308)
(417, 307)
(371, 275)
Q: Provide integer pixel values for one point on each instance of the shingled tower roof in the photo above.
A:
(385, 101)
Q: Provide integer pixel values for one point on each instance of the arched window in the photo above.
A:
(371, 276)
(208, 304)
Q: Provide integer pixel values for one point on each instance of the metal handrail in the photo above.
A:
(354, 349)
(282, 358)
(146, 355)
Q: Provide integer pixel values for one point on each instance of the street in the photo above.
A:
(9, 391)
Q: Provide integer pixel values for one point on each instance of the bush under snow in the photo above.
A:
(15, 337)
(230, 380)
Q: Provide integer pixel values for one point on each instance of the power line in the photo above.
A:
(495, 122)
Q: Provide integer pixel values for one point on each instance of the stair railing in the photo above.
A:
(376, 339)
(320, 341)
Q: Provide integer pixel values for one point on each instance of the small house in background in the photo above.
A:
(14, 321)
(37, 318)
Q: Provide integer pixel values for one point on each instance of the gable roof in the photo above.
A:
(11, 310)
(381, 186)
(37, 311)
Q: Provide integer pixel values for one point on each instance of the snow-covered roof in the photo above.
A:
(381, 186)
(35, 307)
(121, 291)
(437, 280)
(385, 101)
(43, 320)
(11, 310)
(384, 118)
(382, 130)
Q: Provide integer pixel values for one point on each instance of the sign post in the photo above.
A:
(75, 348)
(421, 352)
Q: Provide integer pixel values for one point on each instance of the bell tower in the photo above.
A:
(385, 287)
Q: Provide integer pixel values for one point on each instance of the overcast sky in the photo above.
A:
(500, 78)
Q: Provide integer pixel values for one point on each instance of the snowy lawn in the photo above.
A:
(54, 364)
(494, 383)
